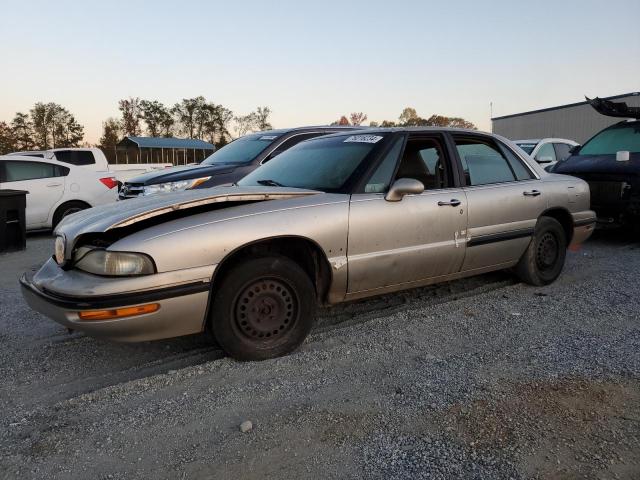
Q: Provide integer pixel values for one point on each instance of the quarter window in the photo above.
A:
(20, 171)
(482, 162)
(519, 169)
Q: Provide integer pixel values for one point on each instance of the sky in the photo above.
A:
(312, 62)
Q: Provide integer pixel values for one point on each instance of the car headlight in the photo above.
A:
(173, 186)
(104, 262)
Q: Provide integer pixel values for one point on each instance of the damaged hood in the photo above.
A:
(125, 213)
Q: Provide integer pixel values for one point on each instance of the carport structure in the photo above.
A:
(179, 151)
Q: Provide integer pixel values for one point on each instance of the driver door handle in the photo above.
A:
(54, 184)
(532, 193)
(454, 202)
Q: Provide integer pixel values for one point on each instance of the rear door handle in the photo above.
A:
(532, 193)
(454, 202)
(54, 184)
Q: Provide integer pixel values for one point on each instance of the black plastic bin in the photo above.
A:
(12, 222)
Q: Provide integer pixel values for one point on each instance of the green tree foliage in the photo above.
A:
(157, 118)
(7, 140)
(131, 110)
(111, 131)
(22, 132)
(410, 118)
(188, 114)
(54, 126)
(262, 118)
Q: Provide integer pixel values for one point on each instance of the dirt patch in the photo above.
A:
(558, 429)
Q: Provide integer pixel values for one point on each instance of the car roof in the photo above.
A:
(13, 157)
(374, 130)
(549, 139)
(282, 131)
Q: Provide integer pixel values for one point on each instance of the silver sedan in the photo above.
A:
(333, 219)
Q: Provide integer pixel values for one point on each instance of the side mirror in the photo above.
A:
(402, 187)
(622, 156)
(545, 159)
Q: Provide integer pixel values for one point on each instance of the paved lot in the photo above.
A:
(480, 378)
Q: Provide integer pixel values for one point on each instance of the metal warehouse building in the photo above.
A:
(575, 121)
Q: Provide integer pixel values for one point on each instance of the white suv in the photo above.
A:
(547, 151)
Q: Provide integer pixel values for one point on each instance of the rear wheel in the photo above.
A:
(544, 259)
(67, 209)
(263, 308)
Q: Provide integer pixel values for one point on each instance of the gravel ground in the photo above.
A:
(479, 378)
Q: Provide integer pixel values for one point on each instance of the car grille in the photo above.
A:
(606, 192)
(130, 190)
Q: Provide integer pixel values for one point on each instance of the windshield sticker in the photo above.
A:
(364, 138)
(268, 137)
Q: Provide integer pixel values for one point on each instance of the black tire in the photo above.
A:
(65, 209)
(544, 259)
(263, 308)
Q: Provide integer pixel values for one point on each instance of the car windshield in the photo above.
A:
(612, 140)
(242, 150)
(527, 146)
(324, 164)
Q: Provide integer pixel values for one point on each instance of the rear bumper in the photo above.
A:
(182, 311)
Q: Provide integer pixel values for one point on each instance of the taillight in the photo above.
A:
(109, 182)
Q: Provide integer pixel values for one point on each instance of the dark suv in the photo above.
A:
(610, 163)
(227, 165)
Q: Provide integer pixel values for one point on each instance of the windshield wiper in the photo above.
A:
(269, 183)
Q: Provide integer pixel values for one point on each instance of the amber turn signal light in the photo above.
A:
(118, 312)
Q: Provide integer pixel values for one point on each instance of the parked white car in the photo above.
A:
(94, 159)
(547, 151)
(55, 190)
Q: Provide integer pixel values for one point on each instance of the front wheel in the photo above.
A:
(544, 259)
(263, 308)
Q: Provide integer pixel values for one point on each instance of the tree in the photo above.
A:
(7, 140)
(245, 123)
(188, 115)
(131, 116)
(262, 118)
(54, 126)
(157, 117)
(110, 133)
(373, 124)
(407, 115)
(388, 124)
(357, 118)
(342, 121)
(22, 132)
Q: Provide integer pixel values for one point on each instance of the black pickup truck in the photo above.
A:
(610, 163)
(227, 165)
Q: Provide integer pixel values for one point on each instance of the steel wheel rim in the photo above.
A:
(547, 251)
(266, 310)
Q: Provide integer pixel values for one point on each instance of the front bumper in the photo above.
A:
(584, 224)
(182, 311)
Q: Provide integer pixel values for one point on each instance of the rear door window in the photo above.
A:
(21, 171)
(76, 157)
(483, 162)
